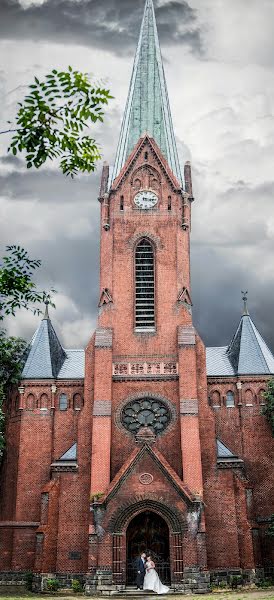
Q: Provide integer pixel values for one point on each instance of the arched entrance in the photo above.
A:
(148, 532)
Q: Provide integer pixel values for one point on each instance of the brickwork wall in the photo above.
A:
(123, 442)
(246, 433)
(9, 466)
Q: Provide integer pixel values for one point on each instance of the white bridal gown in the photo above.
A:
(152, 581)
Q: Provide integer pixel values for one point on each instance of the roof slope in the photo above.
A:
(247, 353)
(218, 363)
(46, 355)
(47, 359)
(147, 107)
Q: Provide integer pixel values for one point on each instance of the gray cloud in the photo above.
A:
(223, 109)
(112, 24)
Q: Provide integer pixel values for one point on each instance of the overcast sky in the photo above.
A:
(219, 63)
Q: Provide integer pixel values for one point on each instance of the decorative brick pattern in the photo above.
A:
(125, 369)
(103, 338)
(102, 408)
(186, 335)
(188, 407)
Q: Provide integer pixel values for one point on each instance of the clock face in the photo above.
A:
(146, 199)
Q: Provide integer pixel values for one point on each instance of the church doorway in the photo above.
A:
(148, 532)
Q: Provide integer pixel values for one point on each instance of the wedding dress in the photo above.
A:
(152, 580)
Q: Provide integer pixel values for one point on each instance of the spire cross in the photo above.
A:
(245, 297)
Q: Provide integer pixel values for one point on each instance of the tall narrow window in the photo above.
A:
(144, 286)
(230, 399)
(63, 402)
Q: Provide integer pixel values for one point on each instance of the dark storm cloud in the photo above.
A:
(112, 24)
(48, 186)
(216, 293)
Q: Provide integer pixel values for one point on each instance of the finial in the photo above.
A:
(244, 297)
(46, 315)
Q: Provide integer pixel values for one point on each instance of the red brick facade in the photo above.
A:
(75, 518)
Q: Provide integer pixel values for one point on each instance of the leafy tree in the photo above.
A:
(268, 409)
(53, 121)
(17, 290)
(11, 355)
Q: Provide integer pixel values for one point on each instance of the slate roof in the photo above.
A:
(45, 354)
(73, 366)
(223, 451)
(47, 359)
(147, 108)
(218, 363)
(70, 454)
(247, 353)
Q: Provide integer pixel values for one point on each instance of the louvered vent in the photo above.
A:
(144, 286)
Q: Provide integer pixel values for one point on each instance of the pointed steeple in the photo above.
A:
(45, 354)
(147, 109)
(247, 351)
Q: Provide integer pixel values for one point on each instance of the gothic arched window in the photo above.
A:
(144, 286)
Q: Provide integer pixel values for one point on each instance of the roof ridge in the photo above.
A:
(254, 329)
(261, 339)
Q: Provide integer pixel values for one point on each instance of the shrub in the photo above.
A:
(235, 580)
(264, 583)
(76, 586)
(52, 585)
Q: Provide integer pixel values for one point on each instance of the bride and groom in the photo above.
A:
(147, 577)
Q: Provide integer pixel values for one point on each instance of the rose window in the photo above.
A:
(146, 412)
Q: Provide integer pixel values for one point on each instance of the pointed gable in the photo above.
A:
(248, 352)
(147, 109)
(46, 355)
(137, 457)
(146, 142)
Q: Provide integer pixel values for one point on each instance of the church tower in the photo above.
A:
(146, 457)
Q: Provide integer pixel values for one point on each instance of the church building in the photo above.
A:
(147, 440)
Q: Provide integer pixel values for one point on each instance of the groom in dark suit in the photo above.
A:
(141, 570)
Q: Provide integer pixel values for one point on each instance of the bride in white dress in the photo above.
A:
(152, 580)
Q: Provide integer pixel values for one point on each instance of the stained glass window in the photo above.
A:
(148, 412)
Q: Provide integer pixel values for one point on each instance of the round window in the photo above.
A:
(146, 412)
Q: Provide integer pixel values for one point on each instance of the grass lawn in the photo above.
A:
(268, 594)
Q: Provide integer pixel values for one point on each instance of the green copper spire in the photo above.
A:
(147, 109)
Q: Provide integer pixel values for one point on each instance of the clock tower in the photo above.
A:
(146, 360)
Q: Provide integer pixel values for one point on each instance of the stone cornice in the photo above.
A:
(19, 524)
(32, 383)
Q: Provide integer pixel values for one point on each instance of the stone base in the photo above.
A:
(225, 576)
(194, 581)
